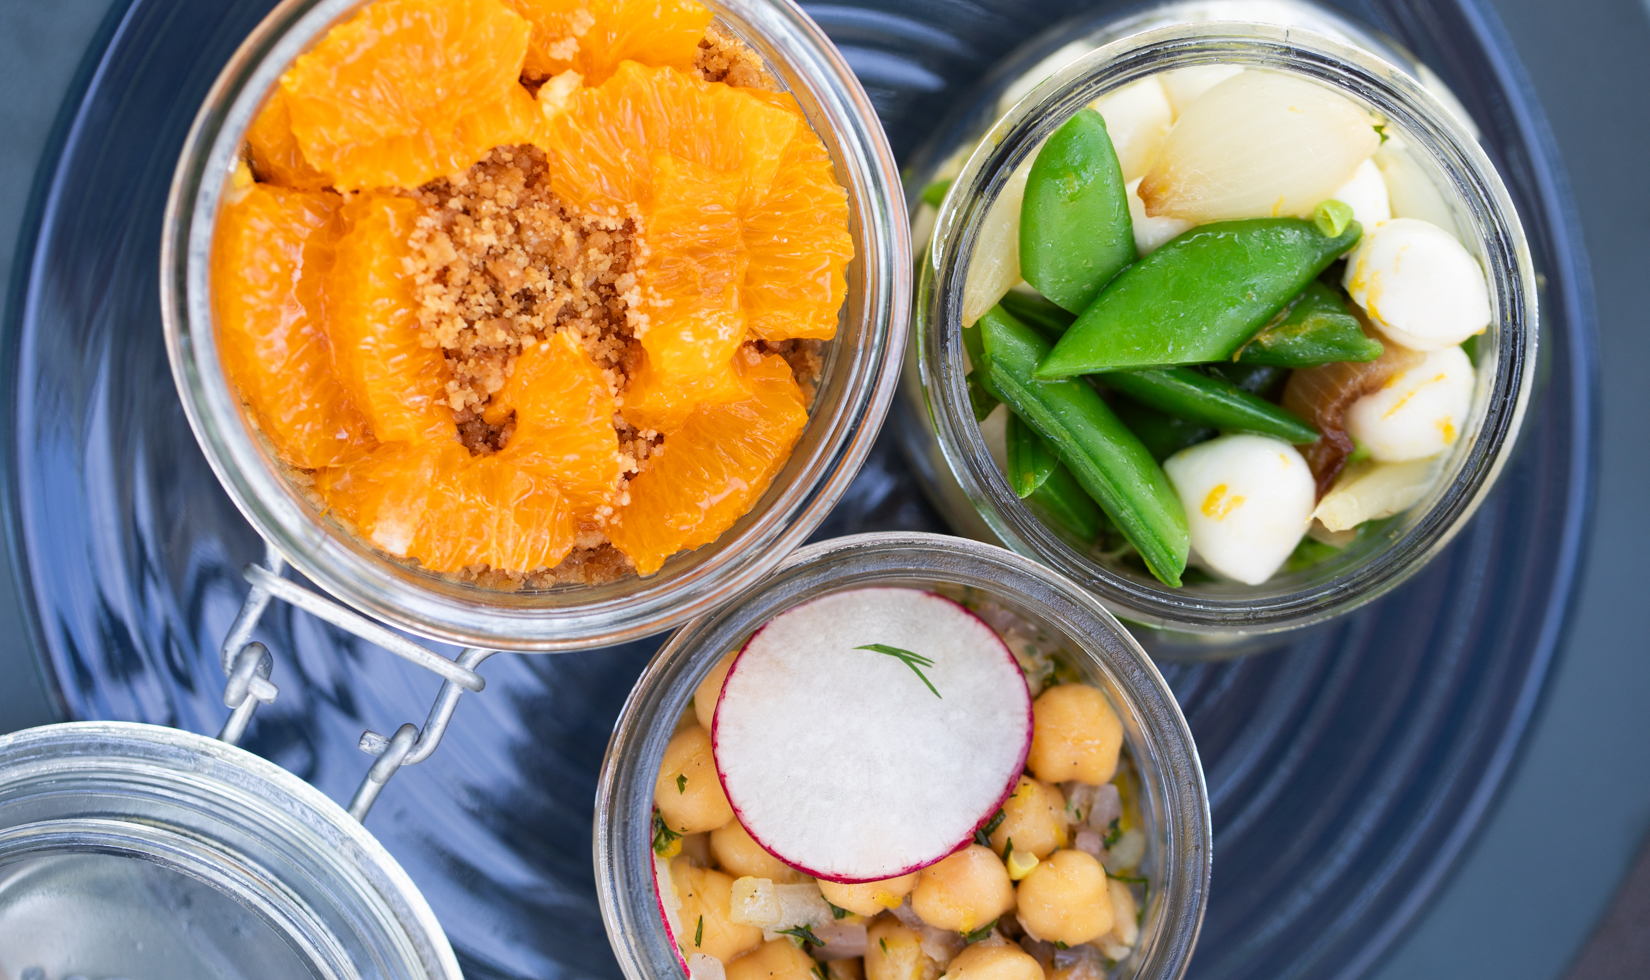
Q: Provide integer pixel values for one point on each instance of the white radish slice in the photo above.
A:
(670, 904)
(1151, 234)
(1247, 499)
(1258, 145)
(1184, 85)
(1419, 286)
(1418, 413)
(994, 268)
(1138, 119)
(856, 765)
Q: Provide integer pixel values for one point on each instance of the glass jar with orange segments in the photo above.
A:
(535, 323)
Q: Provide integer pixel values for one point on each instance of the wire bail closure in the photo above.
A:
(247, 665)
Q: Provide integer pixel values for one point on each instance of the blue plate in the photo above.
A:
(1347, 769)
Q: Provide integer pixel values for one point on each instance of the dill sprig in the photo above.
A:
(983, 835)
(837, 911)
(1114, 833)
(915, 661)
(980, 933)
(663, 836)
(804, 935)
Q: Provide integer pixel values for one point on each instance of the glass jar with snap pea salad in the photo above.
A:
(1131, 803)
(1226, 347)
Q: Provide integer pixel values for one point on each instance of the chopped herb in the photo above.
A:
(699, 933)
(1129, 879)
(1113, 834)
(935, 193)
(681, 784)
(884, 944)
(820, 971)
(802, 934)
(980, 933)
(1060, 945)
(837, 912)
(1380, 130)
(915, 661)
(663, 836)
(1008, 848)
(983, 835)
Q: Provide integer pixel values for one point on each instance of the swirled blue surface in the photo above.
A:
(1347, 769)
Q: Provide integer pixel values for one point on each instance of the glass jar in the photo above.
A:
(1437, 141)
(135, 850)
(1175, 803)
(856, 384)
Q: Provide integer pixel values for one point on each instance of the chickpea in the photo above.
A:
(706, 915)
(709, 691)
(776, 959)
(893, 951)
(964, 891)
(1077, 736)
(1033, 819)
(989, 961)
(1066, 899)
(687, 792)
(848, 969)
(872, 896)
(740, 855)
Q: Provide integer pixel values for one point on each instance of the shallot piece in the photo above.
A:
(1322, 394)
(1259, 145)
(994, 268)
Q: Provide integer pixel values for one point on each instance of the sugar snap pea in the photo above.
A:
(1104, 457)
(1075, 230)
(1197, 299)
(1030, 459)
(1257, 379)
(1162, 435)
(980, 400)
(1063, 501)
(1315, 329)
(1037, 313)
(1194, 396)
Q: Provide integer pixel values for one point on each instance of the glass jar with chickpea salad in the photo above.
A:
(1091, 862)
(1360, 522)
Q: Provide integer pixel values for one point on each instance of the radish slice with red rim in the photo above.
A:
(868, 733)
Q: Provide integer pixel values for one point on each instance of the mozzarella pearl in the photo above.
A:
(1138, 118)
(1419, 412)
(1418, 285)
(1151, 233)
(1366, 195)
(1248, 500)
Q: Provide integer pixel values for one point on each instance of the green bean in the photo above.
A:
(1257, 379)
(935, 193)
(1196, 397)
(1162, 435)
(1030, 459)
(1075, 230)
(981, 400)
(1037, 313)
(1104, 457)
(1315, 329)
(1197, 299)
(1064, 502)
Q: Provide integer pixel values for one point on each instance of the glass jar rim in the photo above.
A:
(861, 376)
(1413, 111)
(236, 823)
(622, 849)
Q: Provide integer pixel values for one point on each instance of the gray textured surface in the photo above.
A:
(1558, 847)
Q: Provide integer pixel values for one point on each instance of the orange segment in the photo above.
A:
(380, 100)
(592, 36)
(437, 503)
(663, 402)
(799, 246)
(373, 321)
(271, 254)
(564, 422)
(712, 470)
(603, 145)
(275, 155)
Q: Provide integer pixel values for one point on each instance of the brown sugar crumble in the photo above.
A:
(500, 262)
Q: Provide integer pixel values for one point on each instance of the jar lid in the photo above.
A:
(135, 850)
